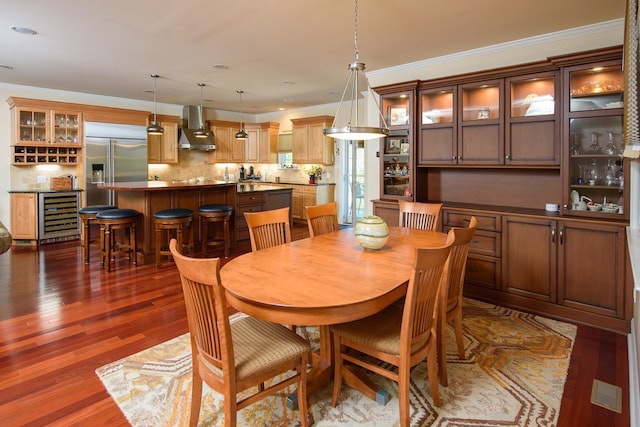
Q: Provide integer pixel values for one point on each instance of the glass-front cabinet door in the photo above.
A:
(532, 134)
(480, 128)
(438, 132)
(396, 166)
(597, 172)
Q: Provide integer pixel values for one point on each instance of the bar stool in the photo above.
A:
(172, 219)
(215, 214)
(88, 216)
(111, 220)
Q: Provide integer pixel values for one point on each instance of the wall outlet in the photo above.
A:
(41, 179)
(327, 175)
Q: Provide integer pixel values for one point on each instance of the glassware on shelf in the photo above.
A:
(610, 148)
(594, 173)
(574, 149)
(610, 173)
(594, 148)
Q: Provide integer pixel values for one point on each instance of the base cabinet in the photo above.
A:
(24, 216)
(570, 269)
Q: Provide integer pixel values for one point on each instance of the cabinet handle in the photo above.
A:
(553, 235)
(561, 235)
(454, 158)
(473, 242)
(507, 157)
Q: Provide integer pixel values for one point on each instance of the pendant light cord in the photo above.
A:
(155, 89)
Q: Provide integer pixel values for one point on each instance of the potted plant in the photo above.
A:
(314, 171)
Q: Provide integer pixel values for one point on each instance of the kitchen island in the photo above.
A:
(148, 197)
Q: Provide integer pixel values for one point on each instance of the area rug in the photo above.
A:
(513, 375)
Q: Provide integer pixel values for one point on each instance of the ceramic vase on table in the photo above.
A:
(312, 179)
(371, 232)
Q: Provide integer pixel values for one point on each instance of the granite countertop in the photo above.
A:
(163, 185)
(252, 188)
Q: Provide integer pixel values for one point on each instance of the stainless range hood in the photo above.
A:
(186, 133)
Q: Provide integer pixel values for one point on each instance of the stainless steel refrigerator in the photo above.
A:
(113, 153)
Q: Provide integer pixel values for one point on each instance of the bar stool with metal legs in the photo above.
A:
(215, 214)
(176, 220)
(110, 221)
(88, 217)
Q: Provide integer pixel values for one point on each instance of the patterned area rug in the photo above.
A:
(514, 375)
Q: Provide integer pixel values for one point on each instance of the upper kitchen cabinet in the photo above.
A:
(310, 145)
(596, 175)
(163, 149)
(228, 149)
(480, 125)
(532, 128)
(438, 126)
(262, 144)
(45, 132)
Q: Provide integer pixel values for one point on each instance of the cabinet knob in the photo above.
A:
(508, 157)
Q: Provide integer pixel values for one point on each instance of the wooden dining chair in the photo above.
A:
(451, 306)
(268, 228)
(398, 336)
(234, 356)
(424, 216)
(322, 219)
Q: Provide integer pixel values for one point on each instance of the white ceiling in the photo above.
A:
(112, 47)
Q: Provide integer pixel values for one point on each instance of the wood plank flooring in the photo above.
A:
(60, 320)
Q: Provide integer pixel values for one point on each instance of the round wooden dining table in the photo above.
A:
(324, 280)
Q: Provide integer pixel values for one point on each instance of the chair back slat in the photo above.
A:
(422, 293)
(322, 219)
(458, 259)
(424, 216)
(206, 306)
(268, 228)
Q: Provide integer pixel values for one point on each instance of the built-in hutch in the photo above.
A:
(502, 144)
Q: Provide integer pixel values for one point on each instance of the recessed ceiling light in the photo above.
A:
(281, 109)
(6, 67)
(288, 101)
(288, 82)
(23, 30)
(221, 66)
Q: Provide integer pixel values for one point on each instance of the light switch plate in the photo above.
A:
(41, 179)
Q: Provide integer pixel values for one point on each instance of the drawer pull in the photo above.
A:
(473, 270)
(474, 241)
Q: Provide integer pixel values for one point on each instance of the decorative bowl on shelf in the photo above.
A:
(610, 208)
(371, 232)
(594, 206)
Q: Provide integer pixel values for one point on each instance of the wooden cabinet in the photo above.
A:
(24, 216)
(397, 171)
(228, 149)
(530, 247)
(262, 144)
(258, 201)
(485, 252)
(163, 149)
(260, 147)
(308, 195)
(310, 145)
(503, 121)
(388, 210)
(45, 132)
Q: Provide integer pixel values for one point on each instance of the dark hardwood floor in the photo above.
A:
(60, 320)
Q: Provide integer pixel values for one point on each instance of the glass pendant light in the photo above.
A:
(154, 128)
(352, 130)
(241, 134)
(201, 132)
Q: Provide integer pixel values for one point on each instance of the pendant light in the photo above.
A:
(154, 128)
(201, 132)
(241, 134)
(352, 130)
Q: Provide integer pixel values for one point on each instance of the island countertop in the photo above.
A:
(164, 185)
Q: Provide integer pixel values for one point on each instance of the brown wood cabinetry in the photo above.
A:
(24, 216)
(262, 144)
(45, 132)
(308, 195)
(258, 201)
(310, 145)
(163, 149)
(228, 150)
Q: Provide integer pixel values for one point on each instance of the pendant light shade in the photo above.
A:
(201, 132)
(352, 130)
(154, 128)
(241, 134)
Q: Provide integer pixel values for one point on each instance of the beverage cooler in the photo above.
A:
(58, 216)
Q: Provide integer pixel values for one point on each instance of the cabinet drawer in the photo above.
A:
(460, 219)
(483, 271)
(483, 242)
(250, 198)
(246, 208)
